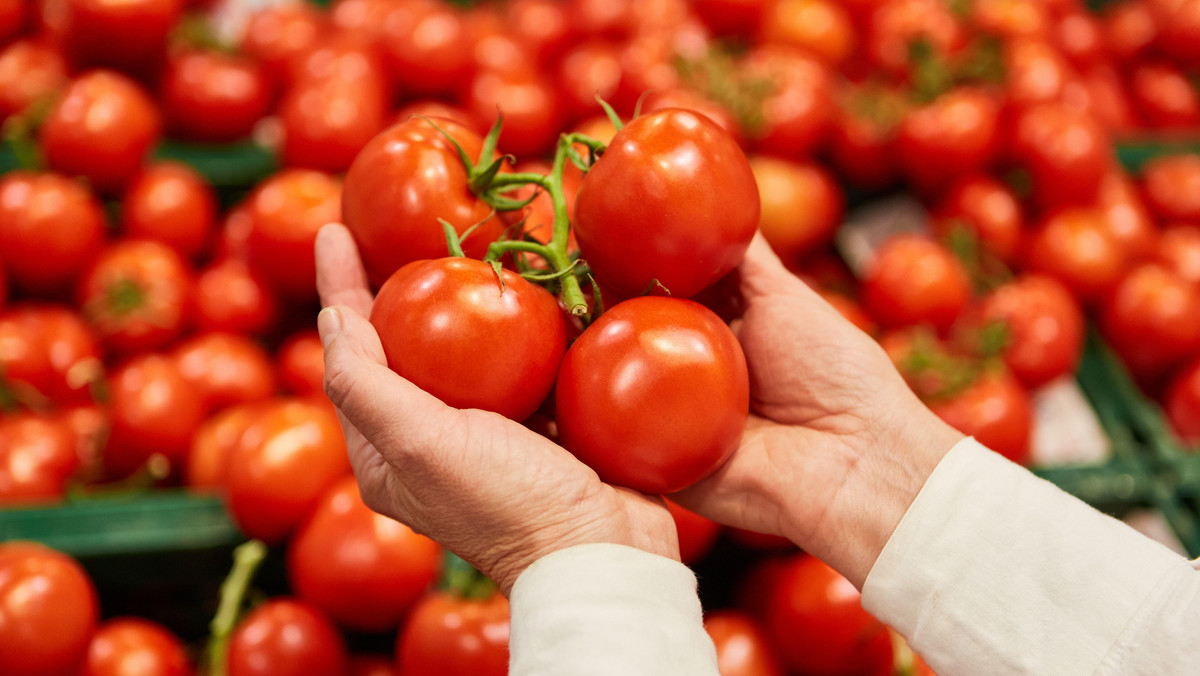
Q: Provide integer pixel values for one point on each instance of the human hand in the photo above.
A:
(488, 489)
(837, 446)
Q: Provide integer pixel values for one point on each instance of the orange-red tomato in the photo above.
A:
(996, 410)
(154, 411)
(1152, 319)
(287, 210)
(49, 349)
(1129, 29)
(230, 296)
(1172, 187)
(226, 369)
(427, 46)
(1076, 247)
(214, 97)
(30, 70)
(213, 445)
(300, 365)
(47, 611)
(913, 280)
(1044, 325)
(743, 648)
(170, 203)
(801, 206)
(1164, 96)
(1066, 151)
(130, 646)
(37, 457)
(821, 27)
(279, 33)
(986, 208)
(51, 228)
(1126, 215)
(798, 113)
(136, 294)
(127, 34)
(954, 134)
(286, 637)
(445, 634)
(1179, 250)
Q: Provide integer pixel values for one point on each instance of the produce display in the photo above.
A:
(550, 198)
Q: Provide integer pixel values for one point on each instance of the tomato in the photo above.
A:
(822, 27)
(12, 18)
(30, 71)
(170, 203)
(287, 211)
(646, 210)
(101, 128)
(286, 637)
(213, 445)
(89, 423)
(364, 569)
(685, 98)
(287, 460)
(50, 229)
(155, 411)
(229, 296)
(800, 206)
(818, 625)
(1079, 35)
(1183, 404)
(543, 26)
(1035, 72)
(653, 395)
(1179, 250)
(589, 69)
(799, 111)
(214, 97)
(496, 49)
(529, 103)
(1066, 152)
(277, 34)
(398, 187)
(1172, 186)
(326, 123)
(301, 365)
(47, 611)
(1044, 328)
(129, 35)
(51, 350)
(742, 645)
(135, 295)
(130, 646)
(986, 208)
(863, 134)
(697, 534)
(1109, 101)
(1178, 24)
(1152, 319)
(450, 635)
(1126, 216)
(996, 410)
(1008, 19)
(850, 310)
(371, 665)
(1129, 29)
(1164, 96)
(343, 57)
(37, 457)
(1077, 247)
(954, 134)
(896, 24)
(427, 46)
(234, 239)
(226, 369)
(913, 280)
(731, 17)
(436, 109)
(444, 358)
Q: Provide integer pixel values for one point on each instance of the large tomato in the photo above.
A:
(154, 411)
(986, 208)
(914, 280)
(286, 637)
(1152, 319)
(30, 70)
(801, 206)
(398, 187)
(954, 134)
(130, 646)
(214, 444)
(1076, 247)
(437, 318)
(225, 369)
(1044, 325)
(126, 34)
(742, 645)
(446, 634)
(654, 395)
(996, 410)
(230, 296)
(49, 349)
(300, 365)
(364, 569)
(47, 611)
(1179, 249)
(648, 210)
(170, 203)
(136, 295)
(51, 228)
(214, 97)
(1183, 404)
(1066, 151)
(1172, 186)
(798, 111)
(286, 212)
(37, 456)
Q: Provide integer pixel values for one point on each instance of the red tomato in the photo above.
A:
(953, 135)
(533, 115)
(400, 184)
(51, 350)
(731, 17)
(1077, 247)
(986, 208)
(821, 27)
(1066, 152)
(1178, 24)
(1044, 326)
(1179, 250)
(126, 34)
(90, 425)
(226, 369)
(896, 24)
(996, 410)
(1183, 404)
(234, 239)
(1152, 319)
(101, 128)
(589, 69)
(130, 646)
(1009, 19)
(135, 295)
(3, 288)
(1126, 216)
(301, 365)
(287, 460)
(818, 625)
(12, 18)
(229, 296)
(697, 534)
(444, 358)
(495, 48)
(800, 206)
(371, 665)
(646, 210)
(214, 444)
(287, 211)
(1164, 96)
(30, 71)
(47, 611)
(690, 100)
(1035, 72)
(170, 203)
(364, 569)
(1108, 99)
(742, 645)
(798, 113)
(37, 457)
(214, 97)
(344, 57)
(1129, 29)
(631, 405)
(1172, 186)
(543, 26)
(154, 411)
(1079, 35)
(913, 280)
(286, 637)
(50, 229)
(326, 123)
(427, 46)
(450, 635)
(279, 33)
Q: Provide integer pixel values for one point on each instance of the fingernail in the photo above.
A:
(329, 324)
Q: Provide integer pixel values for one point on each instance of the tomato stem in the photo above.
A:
(463, 580)
(246, 560)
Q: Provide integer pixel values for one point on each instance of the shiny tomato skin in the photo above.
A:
(136, 295)
(1036, 72)
(821, 27)
(1178, 24)
(743, 648)
(1066, 151)
(1076, 247)
(1152, 320)
(287, 460)
(226, 369)
(817, 623)
(986, 208)
(363, 569)
(1179, 250)
(277, 34)
(326, 123)
(533, 114)
(589, 69)
(1079, 35)
(679, 97)
(154, 411)
(1164, 96)
(51, 227)
(445, 634)
(129, 35)
(300, 365)
(697, 534)
(996, 410)
(1183, 404)
(50, 349)
(523, 322)
(286, 637)
(30, 70)
(647, 211)
(798, 113)
(131, 646)
(896, 24)
(800, 206)
(47, 611)
(1129, 29)
(101, 128)
(214, 97)
(677, 409)
(427, 46)
(1045, 328)
(287, 210)
(1126, 215)
(230, 296)
(171, 203)
(1172, 187)
(213, 446)
(954, 134)
(398, 187)
(37, 457)
(913, 280)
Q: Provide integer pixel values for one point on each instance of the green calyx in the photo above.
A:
(462, 580)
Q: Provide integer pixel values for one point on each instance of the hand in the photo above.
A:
(490, 490)
(837, 446)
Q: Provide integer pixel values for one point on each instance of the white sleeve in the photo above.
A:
(994, 571)
(607, 609)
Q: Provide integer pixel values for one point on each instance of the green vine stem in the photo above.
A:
(246, 560)
(462, 579)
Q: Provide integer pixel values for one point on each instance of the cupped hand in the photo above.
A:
(490, 490)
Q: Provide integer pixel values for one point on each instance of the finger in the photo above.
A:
(341, 278)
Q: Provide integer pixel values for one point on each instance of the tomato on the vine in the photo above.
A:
(173, 204)
(687, 99)
(800, 206)
(136, 294)
(1043, 325)
(226, 369)
(130, 646)
(214, 97)
(914, 280)
(154, 411)
(743, 648)
(37, 457)
(286, 637)
(1152, 319)
(1076, 247)
(286, 212)
(446, 634)
(51, 228)
(47, 611)
(995, 409)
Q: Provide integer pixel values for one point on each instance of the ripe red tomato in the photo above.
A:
(494, 47)
(287, 460)
(1172, 187)
(89, 423)
(37, 457)
(678, 97)
(800, 206)
(287, 211)
(154, 411)
(1076, 247)
(861, 143)
(986, 208)
(996, 410)
(47, 611)
(914, 280)
(953, 135)
(300, 365)
(1126, 216)
(1152, 319)
(326, 123)
(1008, 19)
(340, 56)
(587, 70)
(130, 646)
(821, 27)
(1108, 99)
(798, 113)
(646, 210)
(229, 296)
(427, 46)
(1065, 150)
(1036, 72)
(101, 128)
(12, 18)
(1179, 250)
(135, 295)
(30, 70)
(1079, 35)
(49, 349)
(50, 229)
(895, 25)
(1178, 24)
(213, 445)
(226, 369)
(1183, 404)
(654, 395)
(731, 17)
(364, 569)
(277, 34)
(450, 635)
(130, 35)
(234, 238)
(1044, 326)
(170, 203)
(214, 97)
(697, 534)
(543, 26)
(533, 114)
(1129, 29)
(742, 645)
(400, 184)
(1164, 96)
(818, 625)
(286, 637)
